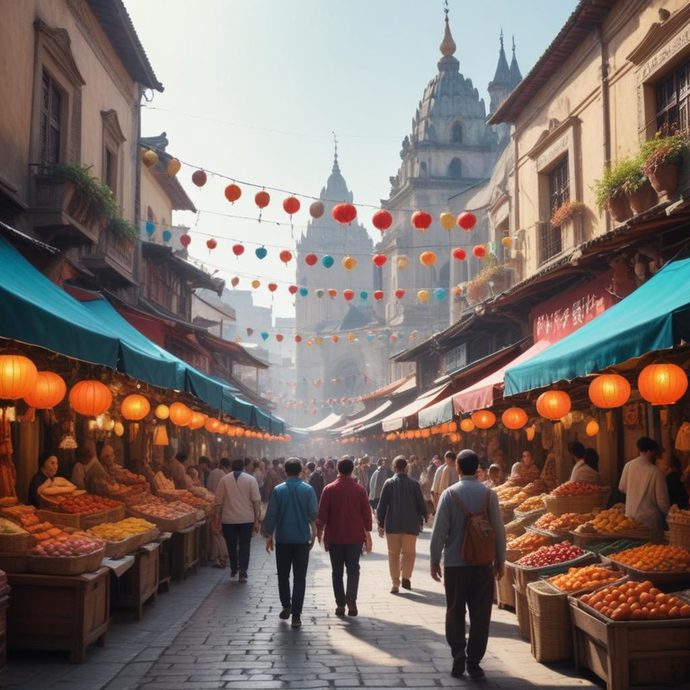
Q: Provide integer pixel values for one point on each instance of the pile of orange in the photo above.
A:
(528, 542)
(586, 577)
(637, 601)
(655, 558)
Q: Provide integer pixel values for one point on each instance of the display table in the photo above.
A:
(164, 541)
(59, 612)
(140, 583)
(184, 551)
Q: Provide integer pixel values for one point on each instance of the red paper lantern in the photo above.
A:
(344, 213)
(262, 199)
(479, 251)
(467, 221)
(348, 294)
(135, 407)
(553, 405)
(609, 391)
(382, 220)
(238, 249)
(292, 289)
(279, 337)
(250, 331)
(316, 210)
(272, 287)
(310, 259)
(332, 293)
(211, 244)
(379, 260)
(18, 376)
(185, 240)
(378, 295)
(286, 256)
(50, 389)
(235, 281)
(399, 293)
(232, 193)
(298, 338)
(199, 178)
(459, 254)
(421, 220)
(291, 205)
(90, 398)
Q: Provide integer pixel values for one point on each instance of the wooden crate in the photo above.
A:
(4, 605)
(184, 552)
(140, 583)
(59, 613)
(504, 588)
(630, 653)
(522, 612)
(164, 540)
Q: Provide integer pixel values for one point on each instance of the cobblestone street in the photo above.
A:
(213, 633)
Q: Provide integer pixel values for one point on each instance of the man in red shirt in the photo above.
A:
(345, 516)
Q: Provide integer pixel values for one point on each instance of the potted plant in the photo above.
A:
(662, 157)
(610, 189)
(494, 276)
(641, 194)
(566, 211)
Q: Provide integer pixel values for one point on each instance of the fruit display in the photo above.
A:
(21, 515)
(608, 547)
(678, 516)
(637, 601)
(551, 555)
(124, 476)
(536, 488)
(510, 497)
(88, 504)
(577, 489)
(123, 529)
(655, 558)
(532, 503)
(163, 483)
(164, 511)
(26, 518)
(586, 577)
(185, 497)
(609, 522)
(66, 547)
(561, 523)
(9, 527)
(528, 542)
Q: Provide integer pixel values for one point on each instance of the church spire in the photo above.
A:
(502, 75)
(515, 74)
(448, 48)
(336, 167)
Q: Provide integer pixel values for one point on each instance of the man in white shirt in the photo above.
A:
(445, 476)
(86, 461)
(644, 486)
(238, 504)
(582, 471)
(216, 474)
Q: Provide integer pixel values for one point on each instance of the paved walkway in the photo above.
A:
(210, 632)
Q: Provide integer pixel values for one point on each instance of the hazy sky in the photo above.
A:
(253, 90)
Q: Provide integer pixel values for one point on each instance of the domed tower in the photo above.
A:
(450, 149)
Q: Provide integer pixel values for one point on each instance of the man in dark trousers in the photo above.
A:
(467, 586)
(344, 524)
(401, 513)
(291, 514)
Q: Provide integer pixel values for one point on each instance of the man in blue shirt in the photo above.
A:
(467, 586)
(291, 514)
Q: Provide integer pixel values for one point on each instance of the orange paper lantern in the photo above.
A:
(452, 427)
(180, 414)
(467, 425)
(162, 412)
(427, 258)
(609, 390)
(50, 390)
(553, 405)
(426, 433)
(135, 407)
(212, 424)
(455, 438)
(90, 398)
(514, 418)
(662, 384)
(484, 419)
(18, 377)
(198, 420)
(223, 429)
(592, 428)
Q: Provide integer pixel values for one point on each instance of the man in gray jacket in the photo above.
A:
(400, 513)
(467, 586)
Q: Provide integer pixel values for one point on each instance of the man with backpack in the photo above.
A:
(468, 531)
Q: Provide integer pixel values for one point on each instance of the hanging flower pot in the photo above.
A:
(643, 198)
(619, 207)
(665, 179)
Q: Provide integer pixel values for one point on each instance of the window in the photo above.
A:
(559, 185)
(455, 169)
(455, 359)
(51, 120)
(113, 138)
(422, 169)
(456, 137)
(673, 101)
(111, 170)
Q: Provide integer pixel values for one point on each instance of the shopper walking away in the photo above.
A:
(291, 514)
(219, 547)
(444, 477)
(217, 473)
(344, 523)
(378, 479)
(400, 514)
(238, 504)
(317, 481)
(274, 476)
(364, 472)
(644, 486)
(468, 531)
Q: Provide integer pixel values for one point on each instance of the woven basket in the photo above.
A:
(68, 565)
(175, 525)
(665, 581)
(530, 514)
(583, 503)
(556, 537)
(505, 590)
(523, 576)
(14, 543)
(549, 614)
(81, 520)
(13, 562)
(522, 612)
(679, 534)
(117, 549)
(585, 539)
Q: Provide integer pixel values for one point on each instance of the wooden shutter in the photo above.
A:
(51, 115)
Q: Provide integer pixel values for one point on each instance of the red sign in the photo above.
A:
(562, 315)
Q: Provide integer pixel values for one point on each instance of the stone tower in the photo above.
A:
(450, 149)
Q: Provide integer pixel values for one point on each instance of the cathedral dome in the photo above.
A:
(336, 188)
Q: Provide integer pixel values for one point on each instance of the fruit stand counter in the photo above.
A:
(56, 612)
(140, 583)
(184, 551)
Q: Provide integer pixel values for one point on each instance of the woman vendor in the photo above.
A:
(47, 469)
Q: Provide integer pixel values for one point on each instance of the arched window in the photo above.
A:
(455, 169)
(422, 169)
(457, 133)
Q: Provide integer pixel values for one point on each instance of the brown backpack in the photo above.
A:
(479, 544)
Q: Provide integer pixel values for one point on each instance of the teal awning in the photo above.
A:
(654, 317)
(35, 311)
